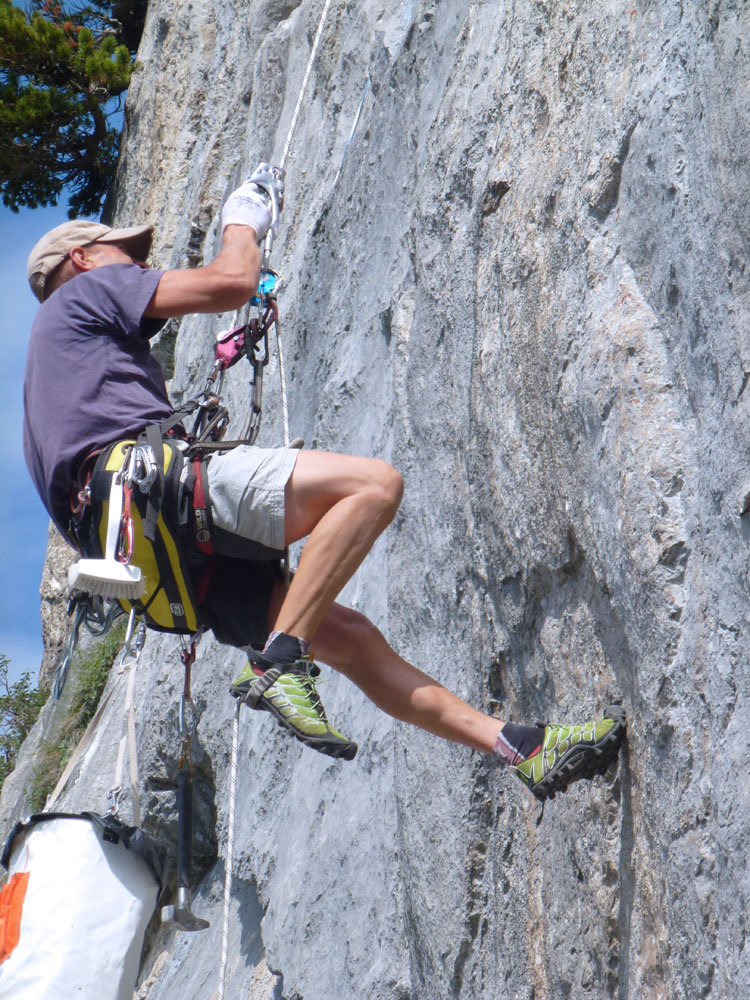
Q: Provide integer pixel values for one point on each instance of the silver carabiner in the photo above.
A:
(125, 472)
(145, 469)
(114, 795)
(132, 649)
(186, 699)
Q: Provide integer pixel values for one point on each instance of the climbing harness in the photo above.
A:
(149, 535)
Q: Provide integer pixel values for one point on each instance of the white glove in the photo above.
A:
(271, 180)
(257, 202)
(247, 206)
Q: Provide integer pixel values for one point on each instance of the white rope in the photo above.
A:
(305, 81)
(229, 859)
(127, 742)
(284, 155)
(282, 378)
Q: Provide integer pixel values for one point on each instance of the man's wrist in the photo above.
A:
(240, 231)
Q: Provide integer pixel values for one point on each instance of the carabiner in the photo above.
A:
(114, 795)
(126, 540)
(145, 469)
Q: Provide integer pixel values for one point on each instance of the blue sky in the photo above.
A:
(23, 519)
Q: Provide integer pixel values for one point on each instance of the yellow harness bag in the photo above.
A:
(169, 602)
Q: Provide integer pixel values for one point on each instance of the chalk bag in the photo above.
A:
(73, 914)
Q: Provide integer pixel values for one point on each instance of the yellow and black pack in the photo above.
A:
(169, 602)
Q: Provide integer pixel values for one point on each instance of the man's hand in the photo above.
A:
(271, 180)
(257, 202)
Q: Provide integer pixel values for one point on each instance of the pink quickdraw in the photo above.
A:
(126, 540)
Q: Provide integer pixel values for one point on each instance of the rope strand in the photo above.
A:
(305, 81)
(229, 859)
(282, 377)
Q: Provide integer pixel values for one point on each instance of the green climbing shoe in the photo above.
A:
(570, 753)
(288, 692)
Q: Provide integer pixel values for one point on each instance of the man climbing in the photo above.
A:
(91, 380)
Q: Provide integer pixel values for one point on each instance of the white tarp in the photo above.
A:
(84, 914)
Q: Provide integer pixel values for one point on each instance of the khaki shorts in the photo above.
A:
(246, 491)
(246, 488)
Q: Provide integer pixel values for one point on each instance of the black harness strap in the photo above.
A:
(153, 436)
(156, 493)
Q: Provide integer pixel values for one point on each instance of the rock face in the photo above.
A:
(523, 280)
(55, 624)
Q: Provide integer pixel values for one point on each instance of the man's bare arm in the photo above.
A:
(224, 284)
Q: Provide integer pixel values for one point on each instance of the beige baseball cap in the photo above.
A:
(53, 248)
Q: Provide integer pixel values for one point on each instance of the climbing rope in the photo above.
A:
(305, 81)
(229, 859)
(268, 243)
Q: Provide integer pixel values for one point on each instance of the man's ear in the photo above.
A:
(81, 259)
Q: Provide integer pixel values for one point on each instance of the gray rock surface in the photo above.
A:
(527, 288)
(55, 624)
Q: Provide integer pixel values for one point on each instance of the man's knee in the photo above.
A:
(388, 486)
(347, 640)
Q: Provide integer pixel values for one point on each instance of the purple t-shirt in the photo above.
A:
(90, 378)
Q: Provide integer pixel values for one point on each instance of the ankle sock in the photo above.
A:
(516, 744)
(283, 648)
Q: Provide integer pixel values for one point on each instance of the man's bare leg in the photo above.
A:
(351, 644)
(343, 503)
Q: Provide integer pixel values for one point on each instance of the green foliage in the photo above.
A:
(50, 760)
(91, 673)
(60, 69)
(20, 704)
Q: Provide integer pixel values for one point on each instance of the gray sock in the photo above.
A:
(283, 648)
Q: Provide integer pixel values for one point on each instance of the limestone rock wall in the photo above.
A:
(524, 282)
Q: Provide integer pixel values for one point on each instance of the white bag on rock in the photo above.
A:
(90, 892)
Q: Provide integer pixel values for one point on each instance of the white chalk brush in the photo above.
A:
(108, 576)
